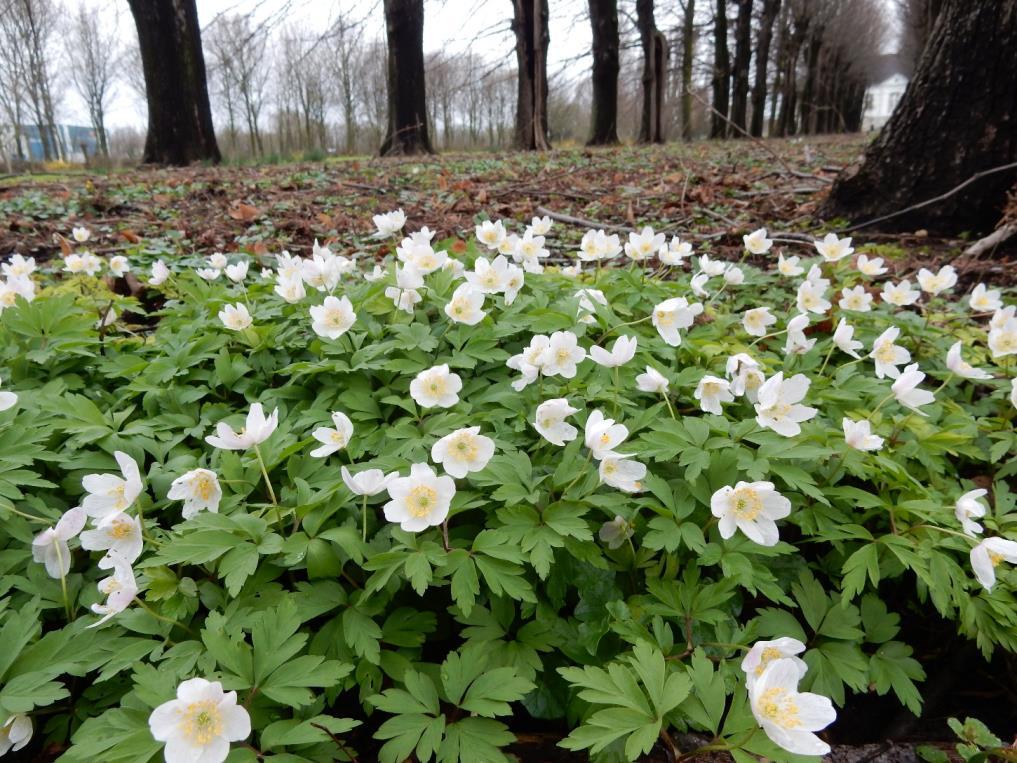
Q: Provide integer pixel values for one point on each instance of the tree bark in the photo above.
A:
(770, 10)
(179, 117)
(688, 53)
(529, 23)
(740, 71)
(604, 20)
(407, 106)
(957, 118)
(654, 44)
(721, 72)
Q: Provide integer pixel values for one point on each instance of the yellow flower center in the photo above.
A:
(121, 529)
(665, 318)
(746, 503)
(201, 722)
(605, 438)
(119, 495)
(995, 558)
(563, 356)
(885, 352)
(769, 655)
(421, 500)
(778, 706)
(338, 438)
(204, 486)
(464, 448)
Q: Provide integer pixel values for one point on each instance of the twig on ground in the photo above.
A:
(562, 218)
(991, 241)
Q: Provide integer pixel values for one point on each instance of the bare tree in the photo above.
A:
(407, 112)
(530, 25)
(688, 56)
(96, 54)
(654, 76)
(604, 120)
(721, 71)
(759, 86)
(740, 69)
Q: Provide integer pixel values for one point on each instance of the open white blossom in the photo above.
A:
(622, 473)
(81, 234)
(541, 226)
(832, 248)
(856, 299)
(549, 421)
(1013, 392)
(119, 535)
(119, 266)
(710, 266)
(86, 263)
(763, 653)
(436, 387)
(333, 440)
(906, 392)
(491, 234)
(488, 277)
(200, 723)
(463, 451)
(734, 276)
(514, 280)
(900, 294)
(961, 367)
(887, 355)
(870, 266)
(587, 307)
(675, 252)
(160, 273)
(333, 317)
(858, 434)
(623, 350)
(290, 289)
(936, 283)
(987, 556)
(18, 266)
(603, 435)
(50, 546)
(711, 392)
(108, 493)
(751, 507)
(779, 405)
(789, 717)
(199, 490)
(968, 508)
(756, 320)
(788, 266)
(563, 355)
(598, 245)
(984, 300)
(652, 381)
(672, 315)
(368, 482)
(466, 305)
(757, 242)
(236, 317)
(257, 428)
(15, 733)
(389, 224)
(120, 588)
(420, 500)
(615, 532)
(812, 298)
(218, 261)
(643, 245)
(843, 338)
(1003, 339)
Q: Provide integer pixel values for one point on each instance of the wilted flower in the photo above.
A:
(333, 317)
(389, 224)
(466, 305)
(436, 387)
(236, 317)
(550, 422)
(622, 473)
(968, 508)
(109, 494)
(870, 266)
(463, 451)
(674, 314)
(50, 546)
(711, 392)
(763, 653)
(832, 248)
(752, 508)
(842, 337)
(604, 435)
(563, 355)
(200, 723)
(858, 434)
(420, 500)
(587, 308)
(887, 355)
(790, 717)
(623, 350)
(367, 482)
(788, 266)
(778, 407)
(652, 381)
(376, 274)
(934, 283)
(615, 532)
(756, 320)
(643, 245)
(333, 440)
(119, 265)
(961, 367)
(159, 273)
(757, 242)
(255, 431)
(198, 489)
(856, 299)
(984, 300)
(904, 389)
(900, 294)
(987, 555)
(15, 733)
(120, 589)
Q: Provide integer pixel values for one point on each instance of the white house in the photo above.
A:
(887, 84)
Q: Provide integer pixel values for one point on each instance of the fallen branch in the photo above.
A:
(562, 218)
(991, 241)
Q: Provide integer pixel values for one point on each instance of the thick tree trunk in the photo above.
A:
(179, 118)
(770, 10)
(721, 72)
(809, 89)
(740, 72)
(529, 23)
(688, 53)
(604, 20)
(407, 107)
(958, 117)
(651, 123)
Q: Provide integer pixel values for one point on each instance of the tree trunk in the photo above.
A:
(956, 119)
(742, 59)
(651, 123)
(604, 20)
(529, 23)
(407, 106)
(721, 72)
(810, 88)
(688, 53)
(770, 10)
(179, 118)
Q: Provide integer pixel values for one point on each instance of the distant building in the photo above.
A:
(888, 79)
(77, 144)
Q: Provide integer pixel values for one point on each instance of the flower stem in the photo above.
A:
(363, 512)
(670, 407)
(826, 359)
(63, 582)
(582, 473)
(264, 474)
(165, 619)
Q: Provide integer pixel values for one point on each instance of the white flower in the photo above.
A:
(1003, 339)
(711, 392)
(200, 723)
(333, 317)
(888, 355)
(697, 284)
(796, 343)
(745, 376)
(236, 317)
(7, 400)
(323, 271)
(870, 267)
(815, 275)
(208, 274)
(622, 473)
(491, 234)
(756, 320)
(904, 389)
(763, 653)
(120, 589)
(421, 256)
(198, 489)
(711, 267)
(119, 265)
(572, 271)
(376, 274)
(530, 361)
(900, 294)
(403, 299)
(858, 434)
(436, 387)
(421, 500)
(289, 267)
(587, 308)
(597, 245)
(255, 431)
(778, 407)
(333, 440)
(15, 733)
(514, 279)
(466, 305)
(549, 421)
(602, 435)
(734, 276)
(934, 283)
(488, 277)
(109, 494)
(389, 223)
(856, 299)
(563, 355)
(789, 266)
(1013, 392)
(238, 271)
(652, 381)
(752, 508)
(463, 451)
(159, 273)
(81, 235)
(832, 248)
(790, 717)
(21, 267)
(290, 289)
(50, 546)
(615, 532)
(984, 300)
(623, 350)
(540, 226)
(968, 508)
(987, 555)
(117, 534)
(643, 245)
(368, 482)
(675, 252)
(811, 298)
(842, 337)
(961, 367)
(82, 263)
(674, 314)
(218, 260)
(757, 242)
(529, 249)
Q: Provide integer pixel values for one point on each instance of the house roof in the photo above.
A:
(881, 68)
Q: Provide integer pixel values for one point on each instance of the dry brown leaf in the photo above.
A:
(245, 213)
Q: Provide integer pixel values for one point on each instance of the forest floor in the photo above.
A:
(708, 192)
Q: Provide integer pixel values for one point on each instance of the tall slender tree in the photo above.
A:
(721, 72)
(651, 123)
(759, 86)
(604, 122)
(407, 104)
(688, 57)
(529, 23)
(740, 70)
(179, 117)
